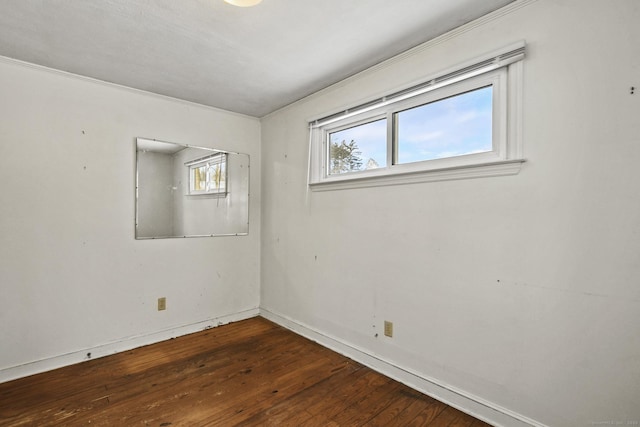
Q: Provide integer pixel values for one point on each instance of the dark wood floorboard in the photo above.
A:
(249, 373)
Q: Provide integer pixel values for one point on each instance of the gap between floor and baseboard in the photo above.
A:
(124, 344)
(452, 396)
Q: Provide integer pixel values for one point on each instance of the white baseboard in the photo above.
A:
(459, 399)
(123, 344)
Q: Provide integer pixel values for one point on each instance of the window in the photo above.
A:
(464, 123)
(456, 126)
(359, 147)
(208, 175)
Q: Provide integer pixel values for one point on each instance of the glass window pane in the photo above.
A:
(358, 148)
(209, 176)
(450, 127)
(216, 177)
(199, 178)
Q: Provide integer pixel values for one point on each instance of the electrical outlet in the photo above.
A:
(162, 304)
(388, 328)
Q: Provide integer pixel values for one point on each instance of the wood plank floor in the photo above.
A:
(249, 373)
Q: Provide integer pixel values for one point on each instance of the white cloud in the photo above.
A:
(466, 116)
(418, 138)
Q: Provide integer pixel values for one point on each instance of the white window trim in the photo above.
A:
(503, 71)
(217, 158)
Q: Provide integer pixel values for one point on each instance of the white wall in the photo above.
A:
(522, 291)
(155, 197)
(72, 277)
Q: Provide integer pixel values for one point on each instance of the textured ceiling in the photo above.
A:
(248, 60)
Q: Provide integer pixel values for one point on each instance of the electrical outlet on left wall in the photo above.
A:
(388, 328)
(162, 303)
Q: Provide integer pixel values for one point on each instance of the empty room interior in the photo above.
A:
(446, 192)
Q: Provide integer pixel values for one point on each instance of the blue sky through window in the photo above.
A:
(449, 127)
(371, 139)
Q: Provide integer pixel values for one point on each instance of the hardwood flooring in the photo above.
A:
(249, 373)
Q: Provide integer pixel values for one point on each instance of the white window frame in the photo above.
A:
(219, 158)
(503, 71)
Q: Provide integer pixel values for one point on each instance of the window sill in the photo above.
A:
(207, 196)
(481, 170)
